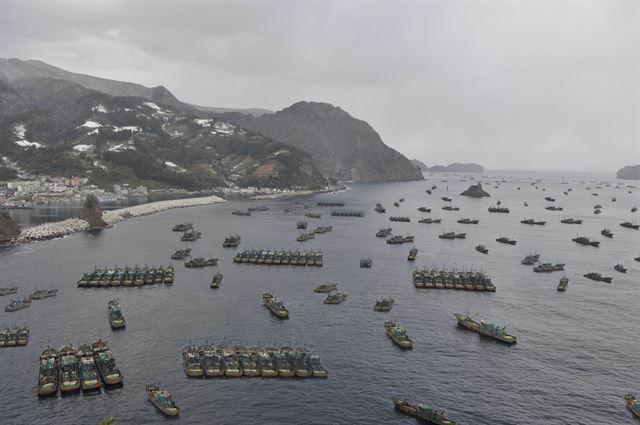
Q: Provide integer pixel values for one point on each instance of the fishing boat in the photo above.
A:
(337, 298)
(181, 227)
(22, 335)
(620, 268)
(316, 366)
(114, 312)
(506, 240)
(48, 374)
(398, 334)
(211, 362)
(384, 304)
(106, 363)
(275, 305)
(423, 411)
(267, 369)
(562, 285)
(181, 254)
(630, 225)
(412, 254)
(485, 328)
(16, 305)
(430, 220)
(69, 374)
(384, 232)
(89, 377)
(598, 277)
(548, 267)
(582, 240)
(483, 249)
(607, 233)
(531, 221)
(161, 398)
(231, 241)
(365, 263)
(216, 280)
(570, 221)
(493, 331)
(325, 288)
(41, 294)
(282, 364)
(8, 290)
(452, 235)
(191, 362)
(633, 404)
(201, 262)
(230, 362)
(248, 362)
(530, 259)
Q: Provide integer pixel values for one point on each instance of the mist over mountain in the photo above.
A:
(343, 147)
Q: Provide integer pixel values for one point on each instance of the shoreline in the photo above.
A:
(70, 226)
(333, 189)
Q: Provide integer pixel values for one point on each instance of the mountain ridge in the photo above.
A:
(344, 148)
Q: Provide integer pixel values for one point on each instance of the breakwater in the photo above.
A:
(73, 225)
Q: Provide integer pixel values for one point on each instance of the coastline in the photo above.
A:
(294, 193)
(74, 225)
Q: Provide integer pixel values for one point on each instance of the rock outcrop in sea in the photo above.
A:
(475, 191)
(91, 212)
(630, 172)
(9, 230)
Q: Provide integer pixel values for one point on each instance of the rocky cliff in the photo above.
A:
(343, 147)
(630, 172)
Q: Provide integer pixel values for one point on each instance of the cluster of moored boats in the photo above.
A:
(127, 276)
(237, 361)
(68, 370)
(14, 337)
(470, 280)
(320, 230)
(279, 257)
(38, 294)
(332, 297)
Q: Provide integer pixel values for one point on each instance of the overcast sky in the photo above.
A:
(511, 85)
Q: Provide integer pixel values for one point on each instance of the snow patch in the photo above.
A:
(152, 106)
(223, 128)
(90, 124)
(170, 164)
(203, 122)
(95, 131)
(82, 148)
(19, 130)
(100, 108)
(121, 147)
(27, 144)
(131, 128)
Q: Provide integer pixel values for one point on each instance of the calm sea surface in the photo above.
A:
(577, 352)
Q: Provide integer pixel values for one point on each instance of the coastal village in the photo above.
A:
(31, 191)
